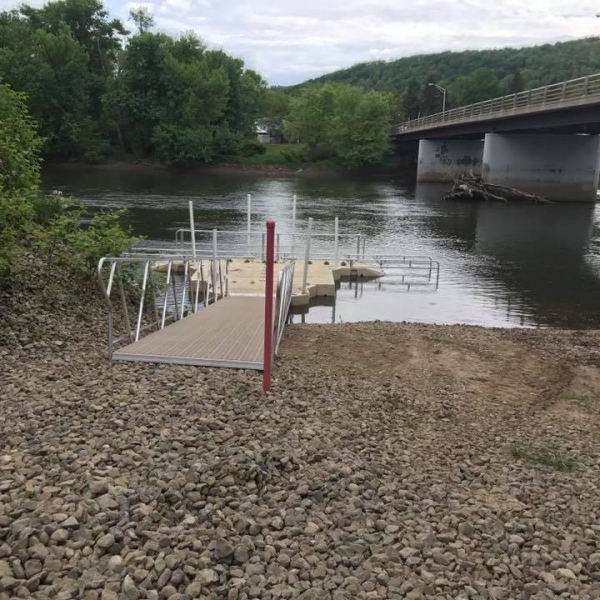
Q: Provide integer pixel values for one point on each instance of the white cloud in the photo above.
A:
(291, 40)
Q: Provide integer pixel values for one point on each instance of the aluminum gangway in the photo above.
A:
(182, 305)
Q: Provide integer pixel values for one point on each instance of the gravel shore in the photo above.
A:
(390, 461)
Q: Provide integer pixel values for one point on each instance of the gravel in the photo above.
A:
(382, 465)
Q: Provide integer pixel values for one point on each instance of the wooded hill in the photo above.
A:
(537, 65)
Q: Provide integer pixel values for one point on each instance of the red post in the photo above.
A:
(270, 257)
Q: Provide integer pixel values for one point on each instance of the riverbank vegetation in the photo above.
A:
(39, 228)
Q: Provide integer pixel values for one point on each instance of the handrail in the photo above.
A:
(251, 244)
(184, 282)
(283, 300)
(550, 96)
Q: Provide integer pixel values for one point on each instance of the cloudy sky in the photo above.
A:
(289, 41)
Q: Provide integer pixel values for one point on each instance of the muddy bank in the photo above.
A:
(390, 461)
(144, 166)
(304, 170)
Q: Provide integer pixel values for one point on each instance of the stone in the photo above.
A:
(207, 577)
(107, 502)
(241, 554)
(130, 591)
(5, 569)
(311, 529)
(106, 541)
(115, 563)
(566, 573)
(60, 536)
(194, 590)
(70, 522)
(223, 549)
(33, 567)
(98, 487)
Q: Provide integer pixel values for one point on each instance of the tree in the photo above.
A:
(19, 176)
(411, 102)
(342, 122)
(143, 19)
(481, 85)
(516, 83)
(432, 99)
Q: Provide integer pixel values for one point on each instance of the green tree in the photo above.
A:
(142, 18)
(342, 122)
(411, 102)
(432, 99)
(516, 83)
(481, 85)
(19, 176)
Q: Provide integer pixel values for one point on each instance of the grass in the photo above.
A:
(583, 401)
(551, 456)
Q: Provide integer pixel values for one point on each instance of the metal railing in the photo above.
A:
(567, 93)
(252, 245)
(176, 285)
(283, 299)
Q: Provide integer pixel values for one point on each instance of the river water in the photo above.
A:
(500, 265)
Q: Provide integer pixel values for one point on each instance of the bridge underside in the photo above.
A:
(560, 167)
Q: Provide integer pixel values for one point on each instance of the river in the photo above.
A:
(500, 265)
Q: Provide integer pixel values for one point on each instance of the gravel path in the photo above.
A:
(390, 461)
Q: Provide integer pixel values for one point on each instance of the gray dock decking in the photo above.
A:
(229, 333)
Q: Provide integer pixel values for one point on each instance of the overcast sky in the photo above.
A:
(289, 41)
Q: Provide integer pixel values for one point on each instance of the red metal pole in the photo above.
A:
(270, 258)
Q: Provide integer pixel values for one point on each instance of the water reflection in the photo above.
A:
(501, 265)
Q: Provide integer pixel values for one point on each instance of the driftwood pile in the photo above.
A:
(471, 187)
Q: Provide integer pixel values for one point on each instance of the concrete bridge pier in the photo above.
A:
(441, 160)
(560, 167)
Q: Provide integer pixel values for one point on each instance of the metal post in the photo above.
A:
(192, 229)
(364, 241)
(215, 265)
(358, 246)
(293, 254)
(268, 345)
(249, 226)
(278, 253)
(306, 255)
(336, 234)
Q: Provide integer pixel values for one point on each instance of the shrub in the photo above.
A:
(29, 222)
(252, 148)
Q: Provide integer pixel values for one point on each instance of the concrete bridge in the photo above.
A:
(545, 140)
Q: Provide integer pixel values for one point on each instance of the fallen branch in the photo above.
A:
(472, 187)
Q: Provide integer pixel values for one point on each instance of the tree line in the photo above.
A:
(98, 90)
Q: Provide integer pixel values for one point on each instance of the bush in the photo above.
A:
(252, 148)
(81, 247)
(31, 223)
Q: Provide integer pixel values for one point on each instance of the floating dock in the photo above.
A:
(247, 277)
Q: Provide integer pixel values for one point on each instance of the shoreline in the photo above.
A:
(303, 170)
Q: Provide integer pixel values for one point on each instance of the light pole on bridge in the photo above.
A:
(443, 90)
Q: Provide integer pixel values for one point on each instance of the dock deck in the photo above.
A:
(228, 333)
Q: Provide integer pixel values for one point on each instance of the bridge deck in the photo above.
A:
(229, 333)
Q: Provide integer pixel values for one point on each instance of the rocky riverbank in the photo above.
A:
(390, 461)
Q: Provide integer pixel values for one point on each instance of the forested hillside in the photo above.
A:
(513, 67)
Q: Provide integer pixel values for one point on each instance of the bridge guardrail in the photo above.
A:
(542, 98)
